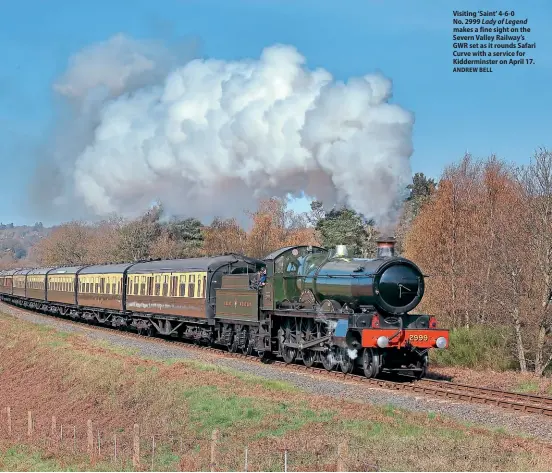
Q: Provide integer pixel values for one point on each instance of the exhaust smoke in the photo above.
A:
(214, 137)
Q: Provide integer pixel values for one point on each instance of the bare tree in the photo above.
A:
(66, 245)
(536, 182)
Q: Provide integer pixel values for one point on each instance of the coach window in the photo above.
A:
(199, 287)
(143, 286)
(182, 288)
(174, 286)
(191, 285)
(150, 285)
(204, 285)
(157, 285)
(165, 285)
(102, 285)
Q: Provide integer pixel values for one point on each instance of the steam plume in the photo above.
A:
(214, 137)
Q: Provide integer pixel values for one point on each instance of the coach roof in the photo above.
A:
(40, 271)
(190, 264)
(66, 270)
(106, 269)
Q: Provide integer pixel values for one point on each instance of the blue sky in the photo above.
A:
(506, 112)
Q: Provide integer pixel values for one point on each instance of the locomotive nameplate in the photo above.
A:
(237, 304)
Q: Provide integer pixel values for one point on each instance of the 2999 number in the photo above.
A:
(418, 338)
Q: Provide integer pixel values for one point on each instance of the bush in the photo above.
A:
(479, 347)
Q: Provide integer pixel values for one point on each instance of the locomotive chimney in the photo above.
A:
(386, 247)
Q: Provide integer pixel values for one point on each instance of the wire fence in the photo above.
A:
(139, 448)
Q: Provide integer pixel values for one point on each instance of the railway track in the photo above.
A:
(526, 403)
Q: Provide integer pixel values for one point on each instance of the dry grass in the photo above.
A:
(181, 402)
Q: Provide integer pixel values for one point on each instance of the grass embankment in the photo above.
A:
(179, 403)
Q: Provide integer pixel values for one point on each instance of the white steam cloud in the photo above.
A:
(214, 137)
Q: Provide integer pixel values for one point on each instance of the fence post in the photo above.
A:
(285, 461)
(245, 467)
(214, 439)
(53, 429)
(152, 451)
(8, 413)
(29, 424)
(136, 455)
(341, 454)
(90, 438)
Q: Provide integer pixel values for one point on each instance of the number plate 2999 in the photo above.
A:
(418, 338)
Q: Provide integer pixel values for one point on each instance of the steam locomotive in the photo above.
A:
(317, 305)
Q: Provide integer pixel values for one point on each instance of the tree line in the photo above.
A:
(482, 234)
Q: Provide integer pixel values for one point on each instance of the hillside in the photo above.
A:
(17, 241)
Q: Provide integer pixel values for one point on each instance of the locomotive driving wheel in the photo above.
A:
(233, 346)
(286, 336)
(422, 364)
(369, 363)
(307, 335)
(328, 359)
(247, 347)
(346, 363)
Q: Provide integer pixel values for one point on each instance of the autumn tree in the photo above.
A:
(223, 237)
(103, 241)
(178, 239)
(137, 237)
(66, 245)
(274, 226)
